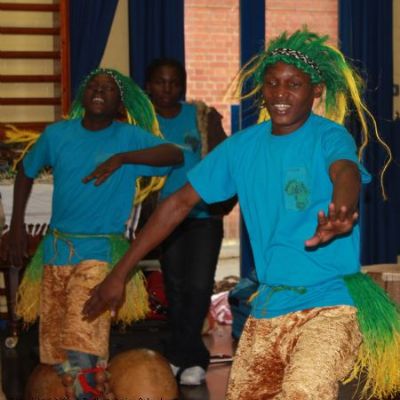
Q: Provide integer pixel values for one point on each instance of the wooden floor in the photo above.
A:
(18, 363)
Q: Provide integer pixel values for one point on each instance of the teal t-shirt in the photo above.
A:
(182, 130)
(282, 182)
(73, 152)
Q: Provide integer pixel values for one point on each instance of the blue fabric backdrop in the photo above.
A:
(156, 29)
(365, 33)
(252, 39)
(90, 24)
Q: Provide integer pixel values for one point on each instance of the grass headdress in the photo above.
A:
(325, 64)
(139, 111)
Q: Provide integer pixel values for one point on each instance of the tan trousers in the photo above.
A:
(299, 356)
(65, 290)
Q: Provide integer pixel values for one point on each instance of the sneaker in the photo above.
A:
(193, 376)
(174, 369)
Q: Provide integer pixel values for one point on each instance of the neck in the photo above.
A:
(96, 124)
(169, 112)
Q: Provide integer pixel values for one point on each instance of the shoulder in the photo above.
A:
(135, 135)
(243, 143)
(251, 134)
(324, 125)
(60, 129)
(123, 129)
(189, 108)
(62, 125)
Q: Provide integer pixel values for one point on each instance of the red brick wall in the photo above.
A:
(212, 48)
(320, 16)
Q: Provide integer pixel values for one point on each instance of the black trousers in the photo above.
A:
(189, 259)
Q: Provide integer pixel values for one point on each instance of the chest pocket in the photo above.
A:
(297, 189)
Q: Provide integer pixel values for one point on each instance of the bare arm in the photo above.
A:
(158, 156)
(342, 211)
(17, 246)
(173, 210)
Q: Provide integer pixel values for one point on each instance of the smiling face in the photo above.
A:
(101, 100)
(289, 96)
(165, 88)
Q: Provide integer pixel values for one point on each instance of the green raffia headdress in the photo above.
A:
(324, 64)
(139, 111)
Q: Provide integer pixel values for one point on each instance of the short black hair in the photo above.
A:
(166, 62)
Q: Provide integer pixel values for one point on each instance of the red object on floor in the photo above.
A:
(157, 297)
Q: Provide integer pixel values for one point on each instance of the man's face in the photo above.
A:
(289, 96)
(165, 87)
(102, 97)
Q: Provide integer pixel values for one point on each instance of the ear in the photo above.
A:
(318, 90)
(121, 108)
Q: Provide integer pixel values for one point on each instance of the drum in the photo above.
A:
(386, 276)
(142, 374)
(44, 384)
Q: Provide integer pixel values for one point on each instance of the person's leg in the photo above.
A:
(53, 306)
(203, 244)
(299, 356)
(257, 369)
(172, 262)
(86, 342)
(324, 355)
(189, 261)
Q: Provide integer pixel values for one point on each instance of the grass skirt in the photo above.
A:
(135, 306)
(378, 363)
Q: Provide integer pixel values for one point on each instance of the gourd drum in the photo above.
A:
(142, 373)
(44, 384)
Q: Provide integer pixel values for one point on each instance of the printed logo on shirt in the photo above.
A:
(192, 142)
(296, 189)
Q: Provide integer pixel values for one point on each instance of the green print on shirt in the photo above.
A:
(299, 191)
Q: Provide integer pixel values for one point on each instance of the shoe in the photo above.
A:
(193, 376)
(174, 369)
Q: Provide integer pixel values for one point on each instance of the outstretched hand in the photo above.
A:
(104, 170)
(108, 295)
(335, 223)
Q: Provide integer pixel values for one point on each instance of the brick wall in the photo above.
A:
(212, 49)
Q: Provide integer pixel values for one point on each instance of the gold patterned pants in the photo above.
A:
(65, 290)
(299, 356)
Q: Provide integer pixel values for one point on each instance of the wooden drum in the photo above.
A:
(386, 276)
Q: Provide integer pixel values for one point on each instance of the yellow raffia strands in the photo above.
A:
(381, 369)
(363, 113)
(25, 137)
(377, 366)
(28, 300)
(155, 183)
(136, 304)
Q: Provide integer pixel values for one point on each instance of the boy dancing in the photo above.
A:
(315, 318)
(86, 230)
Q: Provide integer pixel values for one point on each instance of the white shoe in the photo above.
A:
(193, 376)
(174, 369)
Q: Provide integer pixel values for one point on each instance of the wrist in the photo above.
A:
(125, 158)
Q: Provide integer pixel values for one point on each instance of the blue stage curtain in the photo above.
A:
(252, 41)
(365, 33)
(90, 24)
(156, 29)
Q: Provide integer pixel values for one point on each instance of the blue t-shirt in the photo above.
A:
(282, 181)
(73, 152)
(182, 130)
